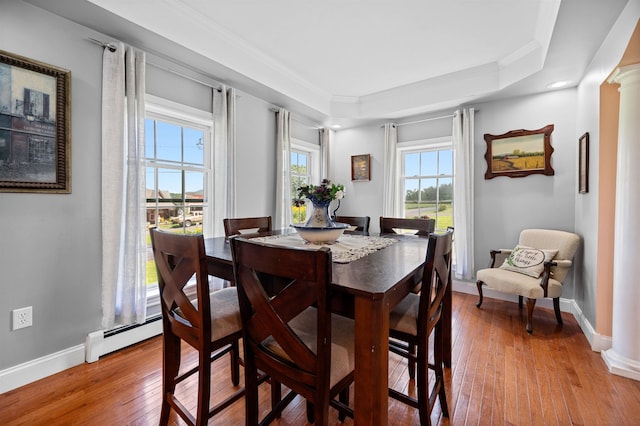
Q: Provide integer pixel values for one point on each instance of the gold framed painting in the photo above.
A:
(519, 153)
(361, 167)
(35, 117)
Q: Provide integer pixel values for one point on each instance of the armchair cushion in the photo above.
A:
(510, 282)
(528, 260)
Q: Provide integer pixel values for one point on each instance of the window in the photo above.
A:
(304, 168)
(178, 172)
(427, 182)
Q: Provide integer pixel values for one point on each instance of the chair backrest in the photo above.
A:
(360, 222)
(423, 227)
(565, 242)
(435, 279)
(271, 342)
(178, 258)
(234, 226)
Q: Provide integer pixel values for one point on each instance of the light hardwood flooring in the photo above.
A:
(500, 376)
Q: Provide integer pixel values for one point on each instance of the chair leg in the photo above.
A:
(479, 284)
(276, 395)
(438, 363)
(556, 308)
(251, 390)
(531, 303)
(235, 363)
(343, 398)
(411, 361)
(311, 415)
(170, 368)
(204, 388)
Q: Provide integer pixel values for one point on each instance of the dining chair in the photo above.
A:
(360, 222)
(208, 322)
(289, 332)
(236, 225)
(422, 227)
(412, 322)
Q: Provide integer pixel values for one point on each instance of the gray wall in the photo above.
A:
(50, 244)
(504, 206)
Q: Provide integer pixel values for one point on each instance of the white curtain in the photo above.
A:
(224, 159)
(390, 196)
(283, 216)
(463, 192)
(326, 140)
(124, 248)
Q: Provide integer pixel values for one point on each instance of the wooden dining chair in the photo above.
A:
(235, 225)
(360, 222)
(422, 227)
(208, 322)
(412, 322)
(290, 334)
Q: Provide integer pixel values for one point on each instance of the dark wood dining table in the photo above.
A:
(366, 289)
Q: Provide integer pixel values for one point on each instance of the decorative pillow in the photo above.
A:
(528, 260)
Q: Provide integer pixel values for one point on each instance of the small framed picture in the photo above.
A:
(35, 117)
(361, 167)
(583, 164)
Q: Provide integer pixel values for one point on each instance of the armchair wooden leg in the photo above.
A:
(531, 303)
(556, 307)
(479, 284)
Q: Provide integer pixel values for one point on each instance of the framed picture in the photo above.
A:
(35, 118)
(583, 164)
(519, 153)
(361, 167)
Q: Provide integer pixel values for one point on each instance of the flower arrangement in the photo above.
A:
(319, 194)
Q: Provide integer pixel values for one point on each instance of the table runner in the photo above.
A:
(347, 249)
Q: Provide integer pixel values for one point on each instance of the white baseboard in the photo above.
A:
(96, 345)
(39, 368)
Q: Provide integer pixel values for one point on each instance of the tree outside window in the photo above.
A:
(428, 185)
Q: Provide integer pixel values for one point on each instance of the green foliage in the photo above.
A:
(325, 192)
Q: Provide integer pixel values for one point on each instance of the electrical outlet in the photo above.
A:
(22, 317)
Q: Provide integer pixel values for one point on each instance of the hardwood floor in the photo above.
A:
(500, 376)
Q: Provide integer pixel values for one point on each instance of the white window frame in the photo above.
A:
(419, 145)
(182, 115)
(313, 165)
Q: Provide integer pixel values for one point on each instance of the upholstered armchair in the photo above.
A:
(535, 268)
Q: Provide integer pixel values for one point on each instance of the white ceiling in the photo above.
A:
(349, 61)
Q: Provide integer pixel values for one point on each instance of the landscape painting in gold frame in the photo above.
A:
(35, 117)
(519, 153)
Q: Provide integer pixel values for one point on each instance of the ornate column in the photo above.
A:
(624, 356)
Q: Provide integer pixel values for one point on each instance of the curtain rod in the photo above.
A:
(111, 47)
(429, 119)
(294, 117)
(156, 63)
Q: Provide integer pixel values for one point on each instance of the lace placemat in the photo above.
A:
(347, 249)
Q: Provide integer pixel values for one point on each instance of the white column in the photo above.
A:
(624, 356)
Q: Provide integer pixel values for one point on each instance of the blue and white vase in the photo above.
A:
(320, 217)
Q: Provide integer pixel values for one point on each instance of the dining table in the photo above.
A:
(366, 289)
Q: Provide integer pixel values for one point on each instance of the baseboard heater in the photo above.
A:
(103, 342)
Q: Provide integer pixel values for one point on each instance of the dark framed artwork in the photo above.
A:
(519, 153)
(361, 167)
(583, 164)
(35, 117)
